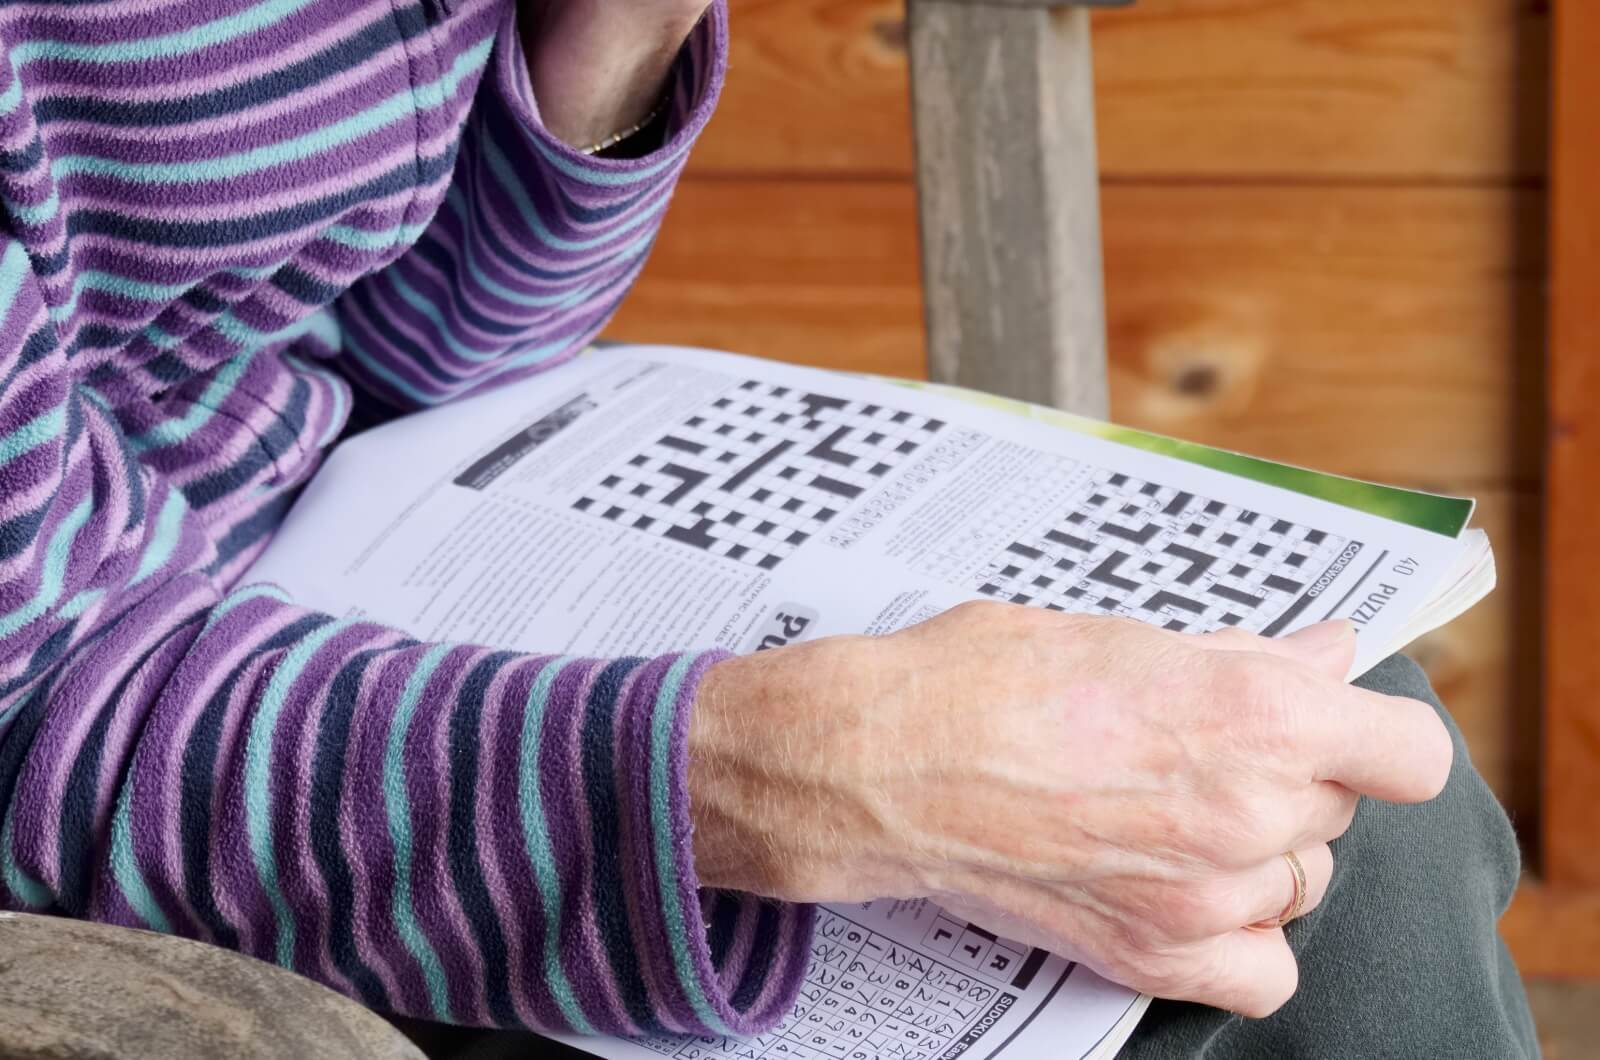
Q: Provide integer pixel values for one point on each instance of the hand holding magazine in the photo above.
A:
(642, 500)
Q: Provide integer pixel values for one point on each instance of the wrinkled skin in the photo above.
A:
(1120, 794)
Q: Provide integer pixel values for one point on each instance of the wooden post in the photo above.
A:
(1571, 810)
(1008, 188)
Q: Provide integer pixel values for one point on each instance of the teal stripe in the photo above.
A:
(382, 239)
(258, 16)
(540, 856)
(80, 603)
(27, 890)
(661, 724)
(399, 107)
(14, 268)
(37, 431)
(398, 804)
(36, 214)
(125, 865)
(53, 572)
(514, 186)
(164, 539)
(11, 98)
(258, 771)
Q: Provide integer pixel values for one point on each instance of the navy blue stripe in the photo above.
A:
(605, 817)
(327, 787)
(466, 866)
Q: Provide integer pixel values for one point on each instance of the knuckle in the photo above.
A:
(1201, 910)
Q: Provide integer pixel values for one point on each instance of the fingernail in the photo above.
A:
(1324, 634)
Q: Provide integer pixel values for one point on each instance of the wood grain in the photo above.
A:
(1388, 333)
(1430, 90)
(1009, 199)
(1571, 856)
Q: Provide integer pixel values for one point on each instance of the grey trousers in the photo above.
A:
(1403, 958)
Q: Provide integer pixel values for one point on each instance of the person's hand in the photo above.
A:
(1119, 794)
(599, 66)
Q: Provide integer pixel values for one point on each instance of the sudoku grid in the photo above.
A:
(756, 472)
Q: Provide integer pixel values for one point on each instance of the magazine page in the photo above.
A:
(642, 500)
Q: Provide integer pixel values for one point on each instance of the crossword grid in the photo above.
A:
(867, 997)
(1164, 556)
(755, 473)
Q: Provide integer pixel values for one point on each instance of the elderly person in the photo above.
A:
(237, 228)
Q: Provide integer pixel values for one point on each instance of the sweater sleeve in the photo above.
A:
(534, 247)
(439, 830)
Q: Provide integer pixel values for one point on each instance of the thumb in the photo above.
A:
(1327, 647)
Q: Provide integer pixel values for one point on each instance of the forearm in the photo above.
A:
(598, 66)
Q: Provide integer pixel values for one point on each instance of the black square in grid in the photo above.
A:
(726, 458)
(824, 514)
(1010, 571)
(1043, 582)
(788, 472)
(766, 527)
(1315, 537)
(760, 495)
(1260, 549)
(768, 562)
(1215, 508)
(610, 482)
(1227, 540)
(879, 470)
(1150, 489)
(906, 447)
(1240, 571)
(874, 438)
(583, 504)
(644, 522)
(702, 508)
(1119, 480)
(792, 504)
(1196, 529)
(1282, 526)
(1295, 559)
(641, 490)
(639, 461)
(721, 403)
(798, 537)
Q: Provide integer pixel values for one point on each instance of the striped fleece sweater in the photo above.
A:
(230, 226)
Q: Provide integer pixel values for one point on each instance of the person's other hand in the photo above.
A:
(598, 66)
(1117, 793)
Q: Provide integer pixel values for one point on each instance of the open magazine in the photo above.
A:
(641, 500)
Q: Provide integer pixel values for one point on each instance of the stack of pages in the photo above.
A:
(642, 500)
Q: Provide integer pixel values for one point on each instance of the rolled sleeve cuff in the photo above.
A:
(720, 962)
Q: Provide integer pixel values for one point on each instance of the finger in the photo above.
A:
(1329, 648)
(1389, 747)
(1320, 813)
(1272, 887)
(1253, 973)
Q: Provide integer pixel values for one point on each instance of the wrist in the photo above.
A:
(780, 788)
(600, 66)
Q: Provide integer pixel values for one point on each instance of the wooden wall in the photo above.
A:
(1323, 226)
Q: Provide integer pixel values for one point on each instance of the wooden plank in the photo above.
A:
(1572, 665)
(1009, 200)
(1389, 333)
(1554, 931)
(1428, 90)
